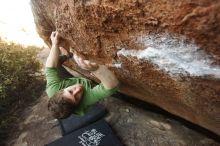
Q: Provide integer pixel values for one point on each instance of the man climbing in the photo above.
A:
(75, 95)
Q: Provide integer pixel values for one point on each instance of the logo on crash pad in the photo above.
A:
(91, 138)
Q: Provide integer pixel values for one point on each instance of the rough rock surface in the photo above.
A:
(134, 126)
(165, 52)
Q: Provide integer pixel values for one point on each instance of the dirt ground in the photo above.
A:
(136, 124)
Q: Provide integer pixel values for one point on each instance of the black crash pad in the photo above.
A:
(75, 122)
(96, 134)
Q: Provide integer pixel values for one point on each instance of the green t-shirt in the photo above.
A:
(91, 95)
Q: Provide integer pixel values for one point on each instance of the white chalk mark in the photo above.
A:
(175, 55)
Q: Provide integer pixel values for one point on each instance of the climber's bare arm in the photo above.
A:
(53, 58)
(107, 77)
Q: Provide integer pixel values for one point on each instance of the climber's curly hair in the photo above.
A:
(59, 107)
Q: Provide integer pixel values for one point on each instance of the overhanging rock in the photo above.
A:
(163, 52)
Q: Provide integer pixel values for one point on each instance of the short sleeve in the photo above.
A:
(53, 81)
(52, 76)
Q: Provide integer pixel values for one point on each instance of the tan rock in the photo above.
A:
(163, 52)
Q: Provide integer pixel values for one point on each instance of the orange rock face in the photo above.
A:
(164, 52)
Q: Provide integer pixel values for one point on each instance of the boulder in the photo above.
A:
(164, 52)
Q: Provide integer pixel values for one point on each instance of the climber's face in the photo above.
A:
(73, 94)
